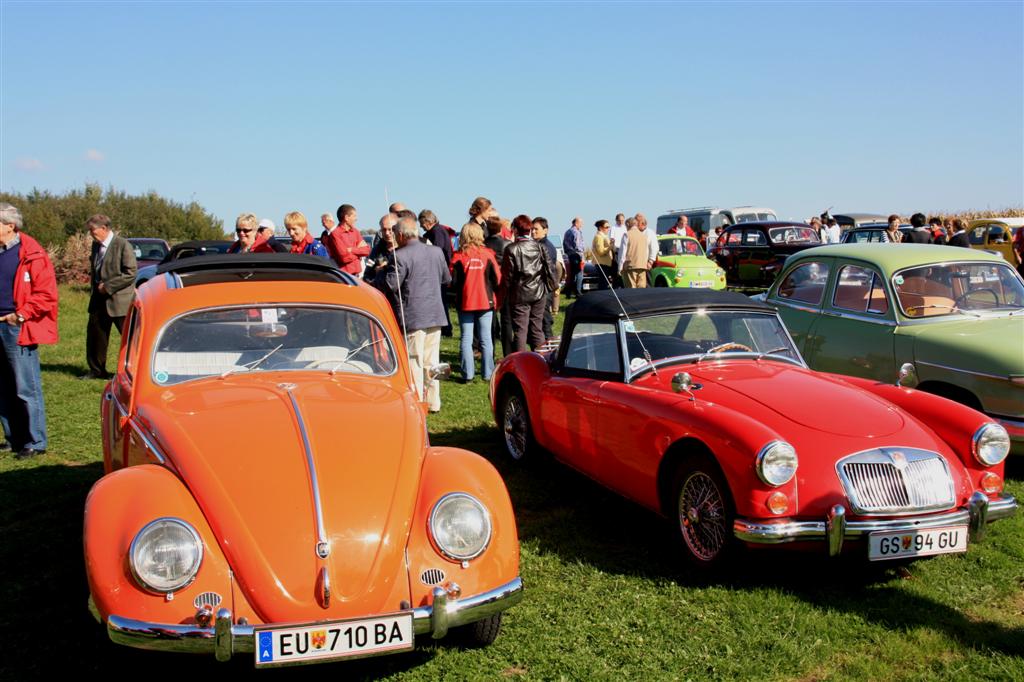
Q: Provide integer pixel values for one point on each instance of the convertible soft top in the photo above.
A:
(603, 305)
(254, 266)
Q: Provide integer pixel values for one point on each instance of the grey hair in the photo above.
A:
(10, 214)
(407, 229)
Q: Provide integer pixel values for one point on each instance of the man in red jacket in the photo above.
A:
(28, 317)
(344, 242)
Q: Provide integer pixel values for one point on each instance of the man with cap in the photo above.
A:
(266, 232)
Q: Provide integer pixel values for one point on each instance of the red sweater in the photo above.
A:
(475, 275)
(35, 294)
(338, 243)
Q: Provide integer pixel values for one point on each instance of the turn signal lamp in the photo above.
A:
(777, 503)
(991, 482)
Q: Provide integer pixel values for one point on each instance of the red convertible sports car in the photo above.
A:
(697, 405)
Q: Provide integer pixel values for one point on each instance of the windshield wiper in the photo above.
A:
(773, 351)
(252, 365)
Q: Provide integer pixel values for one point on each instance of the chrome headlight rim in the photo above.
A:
(762, 456)
(193, 572)
(981, 433)
(446, 551)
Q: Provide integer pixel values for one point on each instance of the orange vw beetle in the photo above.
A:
(270, 486)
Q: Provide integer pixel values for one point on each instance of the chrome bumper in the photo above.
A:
(835, 528)
(225, 638)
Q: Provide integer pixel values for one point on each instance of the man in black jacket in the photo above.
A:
(920, 233)
(527, 275)
(540, 235)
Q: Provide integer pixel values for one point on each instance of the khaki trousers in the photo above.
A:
(425, 352)
(634, 278)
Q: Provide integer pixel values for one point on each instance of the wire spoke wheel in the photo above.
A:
(515, 425)
(703, 516)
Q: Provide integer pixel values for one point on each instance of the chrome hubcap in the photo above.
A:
(514, 427)
(702, 516)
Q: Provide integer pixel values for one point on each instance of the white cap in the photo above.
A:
(266, 222)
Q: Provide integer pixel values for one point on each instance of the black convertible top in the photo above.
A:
(254, 266)
(602, 305)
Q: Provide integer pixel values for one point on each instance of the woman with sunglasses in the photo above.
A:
(248, 241)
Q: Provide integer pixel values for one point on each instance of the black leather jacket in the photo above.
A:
(526, 271)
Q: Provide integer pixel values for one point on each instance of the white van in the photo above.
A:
(705, 218)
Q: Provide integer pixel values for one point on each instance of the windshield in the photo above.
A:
(270, 338)
(706, 335)
(679, 247)
(793, 234)
(150, 251)
(952, 288)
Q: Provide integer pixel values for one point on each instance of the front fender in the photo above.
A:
(117, 508)
(449, 470)
(529, 370)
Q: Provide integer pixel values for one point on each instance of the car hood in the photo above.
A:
(238, 445)
(986, 344)
(799, 395)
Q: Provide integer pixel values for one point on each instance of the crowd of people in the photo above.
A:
(505, 276)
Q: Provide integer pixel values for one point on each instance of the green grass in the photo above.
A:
(607, 596)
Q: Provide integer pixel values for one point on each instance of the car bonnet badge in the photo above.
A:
(899, 460)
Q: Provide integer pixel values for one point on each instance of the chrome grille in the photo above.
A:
(896, 481)
(432, 576)
(211, 599)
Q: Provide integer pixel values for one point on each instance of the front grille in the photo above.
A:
(432, 576)
(211, 599)
(896, 481)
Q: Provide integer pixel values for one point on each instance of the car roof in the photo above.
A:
(1008, 221)
(859, 216)
(766, 224)
(605, 305)
(891, 257)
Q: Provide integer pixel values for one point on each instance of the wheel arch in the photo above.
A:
(677, 453)
(953, 392)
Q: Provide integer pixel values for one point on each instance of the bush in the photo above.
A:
(52, 218)
(71, 259)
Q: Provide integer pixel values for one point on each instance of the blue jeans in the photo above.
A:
(481, 320)
(22, 413)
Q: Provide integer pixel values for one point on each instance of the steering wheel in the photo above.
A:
(334, 363)
(963, 297)
(728, 346)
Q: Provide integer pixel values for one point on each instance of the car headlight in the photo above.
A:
(720, 272)
(460, 526)
(776, 463)
(991, 444)
(165, 555)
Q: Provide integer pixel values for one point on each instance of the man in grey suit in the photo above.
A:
(113, 268)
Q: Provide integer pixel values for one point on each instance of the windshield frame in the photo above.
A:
(630, 375)
(155, 345)
(958, 312)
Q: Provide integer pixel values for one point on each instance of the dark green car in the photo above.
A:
(956, 315)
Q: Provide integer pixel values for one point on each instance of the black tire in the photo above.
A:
(479, 634)
(704, 512)
(514, 421)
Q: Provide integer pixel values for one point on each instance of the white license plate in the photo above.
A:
(900, 544)
(701, 284)
(338, 639)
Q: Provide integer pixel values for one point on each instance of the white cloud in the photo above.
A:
(27, 163)
(94, 155)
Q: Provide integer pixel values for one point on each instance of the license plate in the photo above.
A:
(338, 639)
(900, 544)
(701, 284)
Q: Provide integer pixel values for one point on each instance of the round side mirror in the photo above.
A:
(907, 376)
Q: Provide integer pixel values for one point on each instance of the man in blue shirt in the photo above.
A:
(572, 244)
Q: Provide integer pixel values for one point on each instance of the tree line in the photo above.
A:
(53, 218)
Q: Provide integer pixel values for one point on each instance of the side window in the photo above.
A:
(594, 348)
(132, 341)
(754, 238)
(805, 283)
(860, 290)
(996, 235)
(735, 238)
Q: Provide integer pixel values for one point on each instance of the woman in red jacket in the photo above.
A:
(475, 278)
(28, 317)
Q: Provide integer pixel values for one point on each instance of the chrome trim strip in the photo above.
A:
(861, 318)
(149, 444)
(794, 306)
(239, 639)
(323, 548)
(173, 280)
(964, 371)
(763, 532)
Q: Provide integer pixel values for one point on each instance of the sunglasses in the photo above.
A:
(241, 231)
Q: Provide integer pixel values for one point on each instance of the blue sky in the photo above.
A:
(554, 109)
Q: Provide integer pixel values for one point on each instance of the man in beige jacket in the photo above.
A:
(633, 255)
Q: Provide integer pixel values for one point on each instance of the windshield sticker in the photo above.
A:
(269, 315)
(898, 279)
(636, 363)
(630, 327)
(161, 377)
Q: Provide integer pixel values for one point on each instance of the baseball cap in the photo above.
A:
(266, 222)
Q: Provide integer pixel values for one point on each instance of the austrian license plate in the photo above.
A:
(900, 544)
(701, 284)
(338, 639)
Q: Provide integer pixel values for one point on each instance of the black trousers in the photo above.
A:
(97, 336)
(527, 322)
(501, 327)
(549, 318)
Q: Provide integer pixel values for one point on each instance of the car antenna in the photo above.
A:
(631, 327)
(398, 292)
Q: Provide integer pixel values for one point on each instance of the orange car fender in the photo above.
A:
(117, 508)
(953, 423)
(734, 440)
(452, 470)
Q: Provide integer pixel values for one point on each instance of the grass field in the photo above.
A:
(607, 596)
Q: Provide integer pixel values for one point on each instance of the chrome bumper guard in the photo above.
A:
(835, 528)
(225, 638)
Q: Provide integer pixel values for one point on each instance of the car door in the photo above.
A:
(798, 296)
(855, 333)
(117, 397)
(571, 397)
(753, 255)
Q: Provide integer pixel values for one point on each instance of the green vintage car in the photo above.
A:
(681, 263)
(956, 316)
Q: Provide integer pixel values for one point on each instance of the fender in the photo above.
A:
(117, 508)
(450, 470)
(530, 370)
